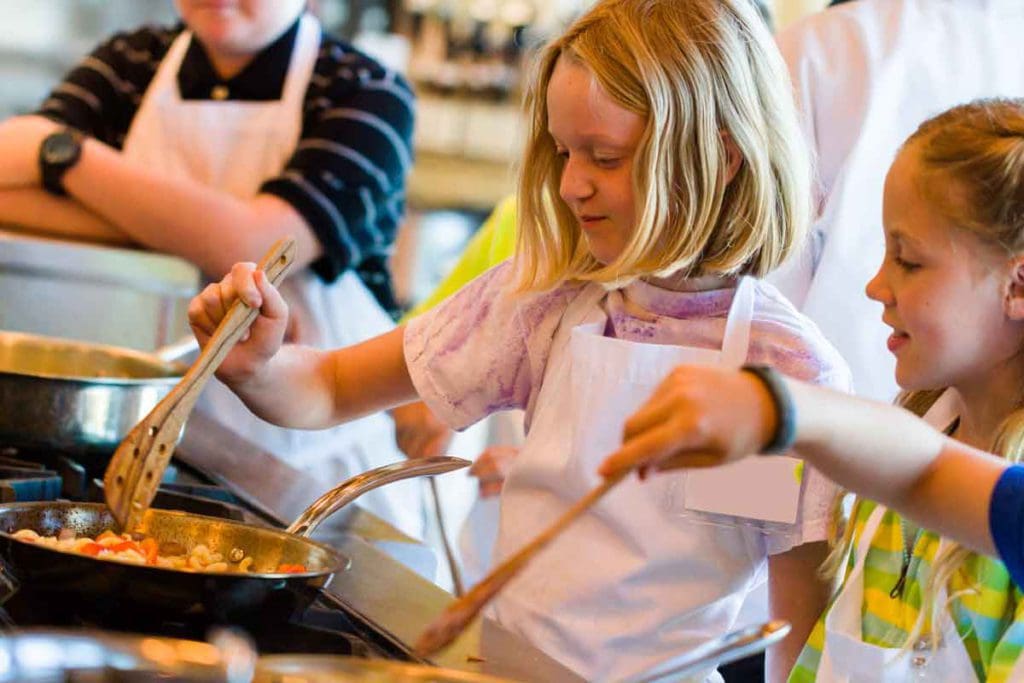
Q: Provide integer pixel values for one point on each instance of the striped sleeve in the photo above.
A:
(101, 95)
(347, 176)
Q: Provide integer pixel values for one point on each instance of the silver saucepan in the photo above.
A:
(79, 397)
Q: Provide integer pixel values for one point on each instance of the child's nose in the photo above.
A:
(574, 184)
(877, 289)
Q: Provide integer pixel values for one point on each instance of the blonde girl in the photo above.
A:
(913, 604)
(663, 172)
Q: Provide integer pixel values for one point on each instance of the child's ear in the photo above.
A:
(732, 155)
(1014, 304)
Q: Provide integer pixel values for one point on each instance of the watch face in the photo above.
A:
(59, 148)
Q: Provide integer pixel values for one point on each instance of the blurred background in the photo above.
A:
(466, 59)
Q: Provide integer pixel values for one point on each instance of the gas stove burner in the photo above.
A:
(73, 472)
(28, 474)
(23, 480)
(9, 457)
(25, 484)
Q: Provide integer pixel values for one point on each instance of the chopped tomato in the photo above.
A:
(126, 545)
(150, 548)
(92, 549)
(291, 569)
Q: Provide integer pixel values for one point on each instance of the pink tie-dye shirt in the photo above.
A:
(485, 349)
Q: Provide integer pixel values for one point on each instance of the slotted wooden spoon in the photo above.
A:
(138, 464)
(454, 620)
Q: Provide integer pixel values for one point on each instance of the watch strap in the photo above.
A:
(785, 413)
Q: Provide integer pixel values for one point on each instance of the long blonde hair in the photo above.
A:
(696, 70)
(976, 149)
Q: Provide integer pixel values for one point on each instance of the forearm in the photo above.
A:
(204, 225)
(34, 210)
(295, 389)
(887, 454)
(307, 388)
(961, 480)
(862, 444)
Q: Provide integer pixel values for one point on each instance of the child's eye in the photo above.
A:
(905, 264)
(607, 162)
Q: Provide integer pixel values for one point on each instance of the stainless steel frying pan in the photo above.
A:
(75, 396)
(94, 587)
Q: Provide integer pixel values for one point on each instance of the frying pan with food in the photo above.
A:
(90, 585)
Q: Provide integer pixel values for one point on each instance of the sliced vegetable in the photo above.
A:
(150, 548)
(91, 549)
(126, 545)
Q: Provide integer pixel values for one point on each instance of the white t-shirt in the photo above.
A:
(866, 74)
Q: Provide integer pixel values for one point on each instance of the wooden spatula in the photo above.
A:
(461, 613)
(138, 464)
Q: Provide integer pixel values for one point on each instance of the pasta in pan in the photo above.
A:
(146, 551)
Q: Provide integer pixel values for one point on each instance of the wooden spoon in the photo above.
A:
(458, 615)
(138, 464)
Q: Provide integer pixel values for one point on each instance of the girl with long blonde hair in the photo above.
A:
(663, 173)
(913, 605)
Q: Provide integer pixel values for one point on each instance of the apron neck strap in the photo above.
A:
(945, 411)
(171, 63)
(300, 64)
(303, 59)
(867, 535)
(736, 341)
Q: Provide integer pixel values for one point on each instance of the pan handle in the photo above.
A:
(343, 494)
(238, 654)
(722, 650)
(178, 350)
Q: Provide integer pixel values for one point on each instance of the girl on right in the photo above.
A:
(912, 604)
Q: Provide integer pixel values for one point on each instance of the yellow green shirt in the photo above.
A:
(988, 608)
(493, 243)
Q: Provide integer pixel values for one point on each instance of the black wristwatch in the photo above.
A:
(58, 153)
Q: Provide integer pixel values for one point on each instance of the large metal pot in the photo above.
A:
(342, 669)
(61, 655)
(58, 656)
(75, 396)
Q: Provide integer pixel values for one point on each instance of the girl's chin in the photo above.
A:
(910, 381)
(601, 257)
(600, 249)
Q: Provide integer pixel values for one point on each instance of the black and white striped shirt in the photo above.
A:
(347, 175)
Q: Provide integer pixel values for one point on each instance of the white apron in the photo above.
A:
(235, 146)
(846, 658)
(631, 583)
